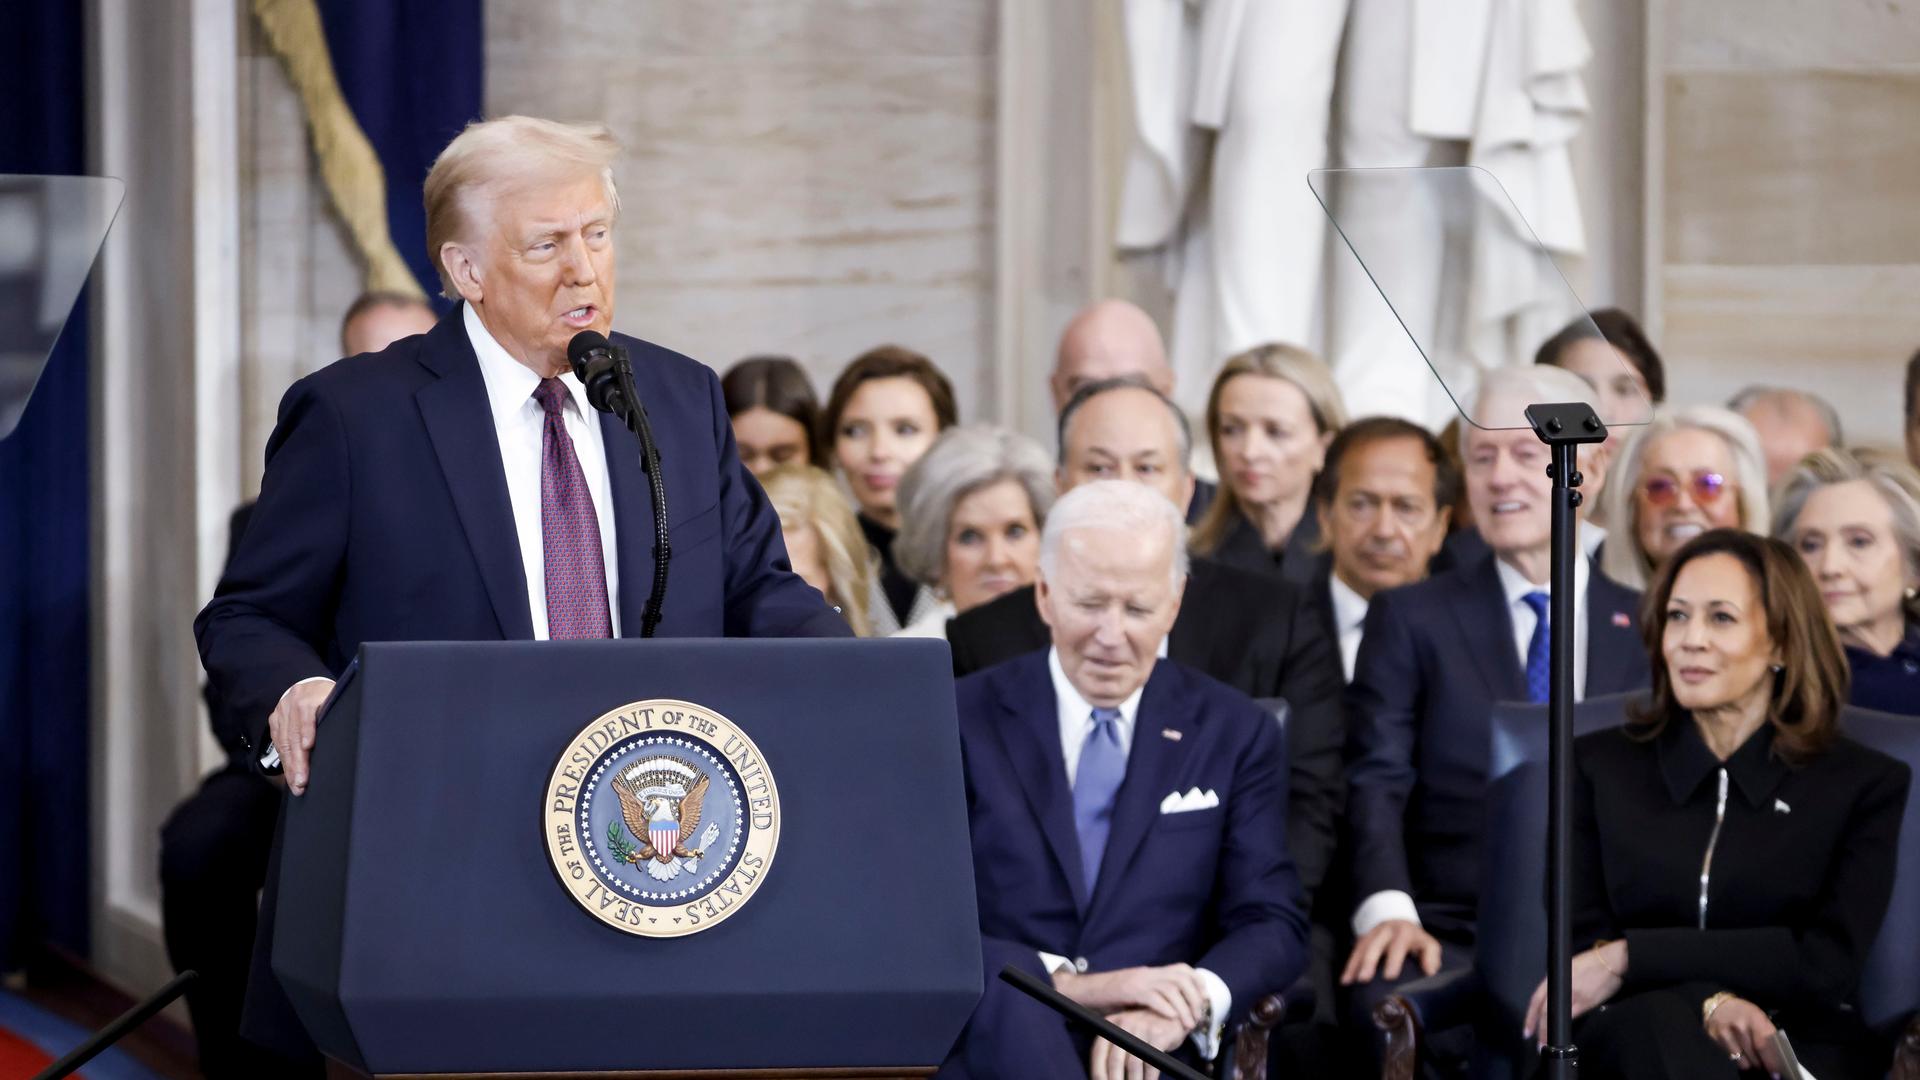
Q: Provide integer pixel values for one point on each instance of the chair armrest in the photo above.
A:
(1250, 1040)
(1437, 1002)
(1906, 1051)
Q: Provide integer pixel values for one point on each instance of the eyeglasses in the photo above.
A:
(1706, 488)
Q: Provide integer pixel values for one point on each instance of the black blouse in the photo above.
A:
(898, 587)
(1889, 683)
(1797, 883)
(1296, 561)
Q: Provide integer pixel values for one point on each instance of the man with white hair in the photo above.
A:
(457, 485)
(1127, 813)
(1434, 658)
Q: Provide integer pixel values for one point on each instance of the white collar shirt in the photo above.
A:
(1349, 620)
(520, 425)
(1076, 715)
(1516, 587)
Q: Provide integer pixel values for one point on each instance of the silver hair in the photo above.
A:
(1895, 481)
(960, 462)
(1092, 390)
(1533, 384)
(1621, 558)
(1759, 394)
(1117, 506)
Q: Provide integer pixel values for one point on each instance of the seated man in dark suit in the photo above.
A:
(1127, 818)
(1251, 631)
(214, 846)
(1434, 658)
(458, 486)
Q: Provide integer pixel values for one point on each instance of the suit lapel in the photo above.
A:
(1480, 607)
(1153, 760)
(633, 520)
(459, 421)
(1030, 736)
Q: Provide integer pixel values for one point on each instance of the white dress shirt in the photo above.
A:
(1076, 726)
(520, 424)
(1390, 904)
(1349, 620)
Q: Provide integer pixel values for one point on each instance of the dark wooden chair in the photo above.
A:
(1511, 953)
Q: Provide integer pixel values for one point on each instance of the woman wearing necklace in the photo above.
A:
(1733, 852)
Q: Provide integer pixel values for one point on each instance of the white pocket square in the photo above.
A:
(1194, 799)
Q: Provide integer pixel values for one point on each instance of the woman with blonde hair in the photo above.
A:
(1270, 416)
(824, 542)
(1689, 471)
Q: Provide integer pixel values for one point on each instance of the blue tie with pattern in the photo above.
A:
(1103, 764)
(1539, 650)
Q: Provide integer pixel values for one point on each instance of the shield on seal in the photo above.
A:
(664, 835)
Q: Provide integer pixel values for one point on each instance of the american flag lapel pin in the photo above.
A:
(1620, 620)
(1169, 734)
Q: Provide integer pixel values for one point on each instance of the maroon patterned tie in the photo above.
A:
(569, 530)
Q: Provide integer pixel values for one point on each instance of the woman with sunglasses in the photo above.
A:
(1688, 471)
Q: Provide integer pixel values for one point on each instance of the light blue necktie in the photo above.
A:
(1103, 764)
(1539, 650)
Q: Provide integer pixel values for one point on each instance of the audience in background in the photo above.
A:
(1854, 516)
(1270, 416)
(1690, 470)
(1790, 423)
(376, 320)
(774, 413)
(1434, 658)
(1382, 501)
(970, 515)
(1112, 339)
(885, 410)
(1707, 919)
(1619, 363)
(1254, 632)
(1910, 404)
(824, 542)
(1171, 926)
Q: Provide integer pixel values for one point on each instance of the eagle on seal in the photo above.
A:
(658, 824)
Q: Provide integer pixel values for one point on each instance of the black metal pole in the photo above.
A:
(1053, 999)
(1563, 427)
(124, 1023)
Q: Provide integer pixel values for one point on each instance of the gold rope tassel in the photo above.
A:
(348, 165)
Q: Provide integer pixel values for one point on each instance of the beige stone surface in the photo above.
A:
(1844, 332)
(1790, 34)
(809, 178)
(1793, 167)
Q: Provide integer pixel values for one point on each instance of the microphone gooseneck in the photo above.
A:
(606, 373)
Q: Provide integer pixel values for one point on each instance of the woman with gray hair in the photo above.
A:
(970, 515)
(1688, 471)
(1854, 516)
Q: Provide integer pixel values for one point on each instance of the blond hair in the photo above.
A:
(1308, 374)
(1621, 558)
(804, 494)
(492, 154)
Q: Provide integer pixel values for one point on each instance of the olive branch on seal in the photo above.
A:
(617, 843)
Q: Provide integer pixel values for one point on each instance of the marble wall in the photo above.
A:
(1783, 236)
(804, 178)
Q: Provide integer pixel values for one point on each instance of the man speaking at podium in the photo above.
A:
(458, 486)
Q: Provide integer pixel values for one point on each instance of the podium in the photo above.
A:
(462, 887)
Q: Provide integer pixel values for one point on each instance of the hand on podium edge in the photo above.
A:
(293, 725)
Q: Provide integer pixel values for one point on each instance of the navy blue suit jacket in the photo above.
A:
(1434, 658)
(1213, 888)
(384, 516)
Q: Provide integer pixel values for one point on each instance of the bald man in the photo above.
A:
(1113, 339)
(1791, 425)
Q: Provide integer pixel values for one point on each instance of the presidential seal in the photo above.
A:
(661, 818)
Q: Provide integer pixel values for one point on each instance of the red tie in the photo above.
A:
(569, 530)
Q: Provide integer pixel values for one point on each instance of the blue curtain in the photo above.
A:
(412, 74)
(43, 538)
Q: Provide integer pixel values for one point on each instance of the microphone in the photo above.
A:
(604, 370)
(591, 356)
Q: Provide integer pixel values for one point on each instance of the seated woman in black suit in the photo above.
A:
(1733, 853)
(1854, 516)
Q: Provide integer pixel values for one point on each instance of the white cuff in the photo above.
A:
(1206, 1039)
(1054, 964)
(1384, 906)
